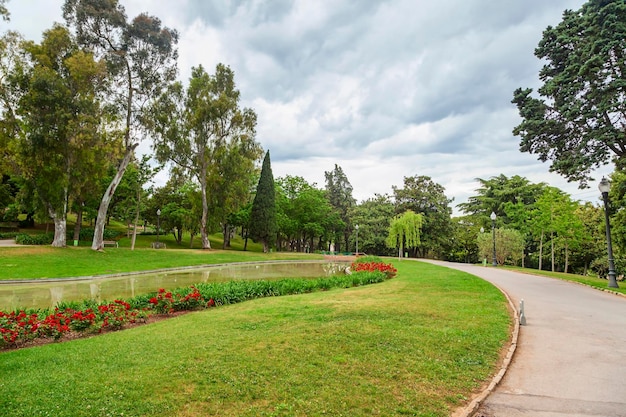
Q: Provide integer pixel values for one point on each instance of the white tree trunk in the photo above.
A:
(60, 223)
(98, 234)
(205, 210)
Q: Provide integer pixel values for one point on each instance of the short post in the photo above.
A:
(522, 315)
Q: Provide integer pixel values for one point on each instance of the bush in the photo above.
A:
(39, 239)
(86, 233)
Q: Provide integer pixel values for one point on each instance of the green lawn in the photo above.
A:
(594, 282)
(418, 345)
(47, 262)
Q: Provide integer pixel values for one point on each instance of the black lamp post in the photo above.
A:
(357, 239)
(493, 234)
(605, 187)
(158, 225)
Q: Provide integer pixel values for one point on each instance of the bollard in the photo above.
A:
(522, 315)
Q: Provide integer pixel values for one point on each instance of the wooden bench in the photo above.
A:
(111, 243)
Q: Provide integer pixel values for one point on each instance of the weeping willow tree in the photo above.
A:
(404, 231)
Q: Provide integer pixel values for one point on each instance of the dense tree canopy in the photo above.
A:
(578, 121)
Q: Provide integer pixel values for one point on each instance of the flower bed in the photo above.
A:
(21, 328)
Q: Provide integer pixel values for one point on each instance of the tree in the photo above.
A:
(263, 214)
(339, 191)
(404, 231)
(141, 60)
(424, 196)
(509, 245)
(60, 122)
(578, 121)
(373, 217)
(204, 132)
(4, 12)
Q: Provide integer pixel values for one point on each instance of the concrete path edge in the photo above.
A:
(472, 407)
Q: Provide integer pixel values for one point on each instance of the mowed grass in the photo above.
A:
(595, 282)
(34, 262)
(417, 345)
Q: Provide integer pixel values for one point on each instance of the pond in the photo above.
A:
(47, 293)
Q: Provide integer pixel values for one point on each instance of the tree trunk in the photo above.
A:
(205, 210)
(226, 232)
(552, 249)
(79, 223)
(98, 234)
(566, 257)
(60, 223)
(540, 250)
(134, 237)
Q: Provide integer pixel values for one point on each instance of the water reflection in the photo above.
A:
(45, 294)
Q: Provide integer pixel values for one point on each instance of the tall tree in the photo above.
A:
(339, 191)
(60, 116)
(206, 133)
(578, 120)
(263, 214)
(141, 59)
(373, 217)
(424, 196)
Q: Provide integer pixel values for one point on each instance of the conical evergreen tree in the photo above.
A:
(263, 215)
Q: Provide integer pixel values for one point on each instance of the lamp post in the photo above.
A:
(493, 234)
(605, 187)
(357, 239)
(158, 225)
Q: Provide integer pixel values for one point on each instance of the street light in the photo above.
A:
(357, 239)
(605, 187)
(493, 234)
(158, 225)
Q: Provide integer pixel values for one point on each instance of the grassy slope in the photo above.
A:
(415, 345)
(47, 262)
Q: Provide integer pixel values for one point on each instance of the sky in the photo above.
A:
(385, 89)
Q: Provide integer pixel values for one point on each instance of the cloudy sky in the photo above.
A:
(385, 89)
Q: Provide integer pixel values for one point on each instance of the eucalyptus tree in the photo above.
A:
(141, 59)
(204, 131)
(339, 192)
(405, 231)
(577, 120)
(59, 138)
(424, 196)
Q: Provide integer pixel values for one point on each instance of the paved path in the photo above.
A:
(571, 354)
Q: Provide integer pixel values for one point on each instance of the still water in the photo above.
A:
(47, 293)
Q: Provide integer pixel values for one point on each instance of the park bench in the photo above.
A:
(9, 227)
(110, 243)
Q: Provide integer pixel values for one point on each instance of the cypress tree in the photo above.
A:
(263, 215)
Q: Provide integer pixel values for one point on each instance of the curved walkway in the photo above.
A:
(571, 354)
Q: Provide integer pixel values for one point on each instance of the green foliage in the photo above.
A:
(425, 197)
(577, 123)
(339, 194)
(86, 233)
(38, 239)
(404, 231)
(509, 246)
(263, 215)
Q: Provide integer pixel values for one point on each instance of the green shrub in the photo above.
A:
(39, 239)
(8, 235)
(86, 233)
